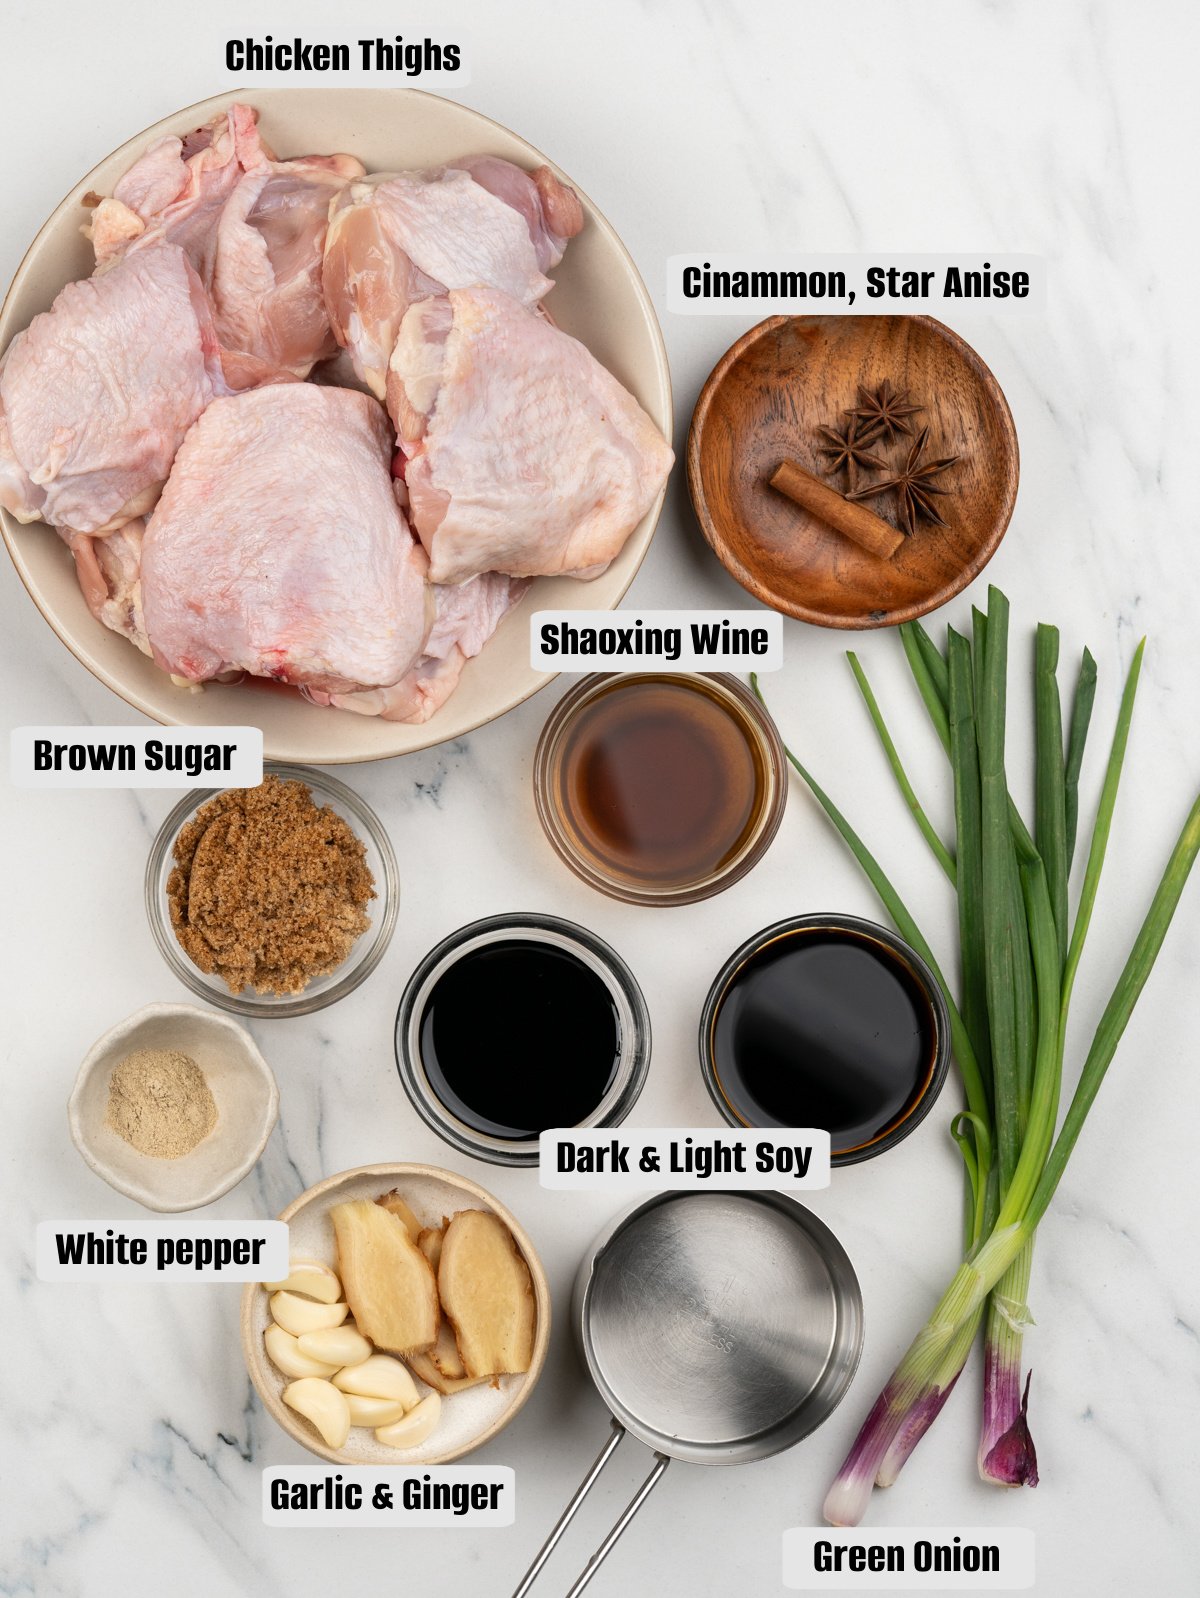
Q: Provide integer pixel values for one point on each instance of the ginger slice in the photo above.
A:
(395, 1205)
(487, 1294)
(444, 1353)
(387, 1281)
(422, 1365)
(429, 1241)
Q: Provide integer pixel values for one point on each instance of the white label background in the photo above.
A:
(1015, 1545)
(855, 267)
(608, 622)
(371, 1477)
(272, 1263)
(245, 767)
(659, 1139)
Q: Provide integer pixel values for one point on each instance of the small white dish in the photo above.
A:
(240, 1080)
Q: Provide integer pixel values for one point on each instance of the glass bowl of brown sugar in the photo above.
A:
(276, 900)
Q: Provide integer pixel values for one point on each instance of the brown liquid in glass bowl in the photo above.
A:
(659, 782)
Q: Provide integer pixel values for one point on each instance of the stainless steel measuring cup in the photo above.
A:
(719, 1328)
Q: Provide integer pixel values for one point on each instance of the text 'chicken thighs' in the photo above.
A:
(278, 547)
(524, 455)
(97, 393)
(395, 240)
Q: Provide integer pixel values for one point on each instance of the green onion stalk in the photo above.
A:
(1018, 959)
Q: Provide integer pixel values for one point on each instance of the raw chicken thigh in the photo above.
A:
(524, 454)
(178, 187)
(278, 547)
(253, 227)
(110, 575)
(464, 619)
(395, 240)
(97, 393)
(265, 279)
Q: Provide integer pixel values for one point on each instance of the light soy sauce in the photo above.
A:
(824, 1027)
(518, 1036)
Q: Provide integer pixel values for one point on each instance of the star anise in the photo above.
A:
(885, 411)
(847, 447)
(914, 486)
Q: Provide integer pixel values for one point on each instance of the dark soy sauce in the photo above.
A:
(824, 1027)
(519, 1036)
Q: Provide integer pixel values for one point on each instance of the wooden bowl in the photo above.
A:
(598, 297)
(763, 403)
(470, 1418)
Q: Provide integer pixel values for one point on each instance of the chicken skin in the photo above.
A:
(394, 240)
(464, 619)
(522, 453)
(278, 547)
(97, 393)
(252, 226)
(205, 420)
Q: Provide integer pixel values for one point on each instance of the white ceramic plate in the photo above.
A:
(469, 1418)
(599, 297)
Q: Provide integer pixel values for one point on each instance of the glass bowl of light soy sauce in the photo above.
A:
(827, 1021)
(517, 1024)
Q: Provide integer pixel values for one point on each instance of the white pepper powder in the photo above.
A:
(159, 1101)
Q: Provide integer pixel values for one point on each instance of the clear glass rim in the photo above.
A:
(360, 967)
(632, 1012)
(752, 851)
(835, 921)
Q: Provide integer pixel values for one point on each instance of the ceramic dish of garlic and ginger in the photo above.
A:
(378, 1349)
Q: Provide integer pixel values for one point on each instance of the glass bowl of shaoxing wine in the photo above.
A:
(660, 788)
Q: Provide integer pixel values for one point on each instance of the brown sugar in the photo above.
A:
(269, 889)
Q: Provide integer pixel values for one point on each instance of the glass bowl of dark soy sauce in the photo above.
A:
(517, 1024)
(827, 1021)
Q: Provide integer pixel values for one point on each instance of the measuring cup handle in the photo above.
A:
(661, 1461)
(568, 1514)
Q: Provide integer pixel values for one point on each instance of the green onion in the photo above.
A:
(968, 822)
(996, 849)
(933, 691)
(1018, 963)
(922, 1379)
(1081, 715)
(1052, 779)
(941, 853)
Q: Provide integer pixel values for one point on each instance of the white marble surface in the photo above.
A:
(132, 1445)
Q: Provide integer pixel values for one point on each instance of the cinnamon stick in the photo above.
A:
(845, 516)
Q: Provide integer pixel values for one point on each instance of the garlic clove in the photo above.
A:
(379, 1377)
(322, 1404)
(336, 1346)
(312, 1279)
(416, 1426)
(284, 1352)
(299, 1315)
(373, 1411)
